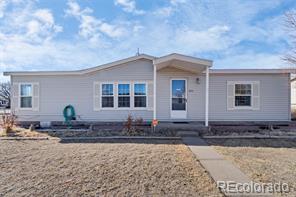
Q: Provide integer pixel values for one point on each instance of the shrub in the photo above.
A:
(129, 124)
(8, 122)
(139, 122)
(132, 126)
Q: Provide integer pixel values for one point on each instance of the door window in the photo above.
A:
(178, 95)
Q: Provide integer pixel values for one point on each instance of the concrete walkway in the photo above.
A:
(220, 169)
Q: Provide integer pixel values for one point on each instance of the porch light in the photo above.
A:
(197, 81)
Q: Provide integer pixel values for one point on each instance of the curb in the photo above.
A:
(249, 137)
(121, 137)
(92, 138)
(24, 138)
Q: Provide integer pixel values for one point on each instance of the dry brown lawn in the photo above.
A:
(120, 168)
(22, 132)
(263, 160)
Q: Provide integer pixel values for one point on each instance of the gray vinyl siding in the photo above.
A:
(195, 95)
(274, 98)
(58, 91)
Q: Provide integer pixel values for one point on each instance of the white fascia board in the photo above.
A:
(176, 56)
(80, 72)
(252, 71)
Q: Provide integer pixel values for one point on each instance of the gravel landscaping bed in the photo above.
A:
(105, 132)
(104, 168)
(251, 130)
(263, 160)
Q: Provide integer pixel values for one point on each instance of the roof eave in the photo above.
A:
(252, 71)
(80, 72)
(176, 56)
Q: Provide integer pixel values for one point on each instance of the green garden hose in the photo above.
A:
(69, 114)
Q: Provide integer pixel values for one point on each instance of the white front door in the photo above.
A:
(178, 99)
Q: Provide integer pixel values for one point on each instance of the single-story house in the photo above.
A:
(174, 87)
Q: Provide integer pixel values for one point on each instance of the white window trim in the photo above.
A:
(248, 83)
(250, 95)
(146, 95)
(20, 96)
(101, 95)
(130, 94)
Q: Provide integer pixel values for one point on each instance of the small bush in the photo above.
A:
(129, 124)
(138, 122)
(133, 126)
(8, 122)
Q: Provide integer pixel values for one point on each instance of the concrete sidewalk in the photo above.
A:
(220, 169)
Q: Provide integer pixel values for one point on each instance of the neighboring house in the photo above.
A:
(3, 103)
(169, 88)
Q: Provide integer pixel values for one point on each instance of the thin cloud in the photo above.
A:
(129, 6)
(90, 27)
(3, 5)
(29, 34)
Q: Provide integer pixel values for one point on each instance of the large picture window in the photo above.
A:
(107, 96)
(26, 95)
(140, 95)
(123, 95)
(243, 94)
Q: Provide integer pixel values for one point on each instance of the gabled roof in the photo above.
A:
(83, 71)
(185, 58)
(183, 62)
(173, 56)
(172, 59)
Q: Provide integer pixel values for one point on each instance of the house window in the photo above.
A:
(140, 95)
(107, 96)
(26, 95)
(243, 94)
(123, 95)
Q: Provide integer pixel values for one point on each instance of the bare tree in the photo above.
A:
(5, 92)
(290, 25)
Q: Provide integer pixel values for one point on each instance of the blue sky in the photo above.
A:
(76, 34)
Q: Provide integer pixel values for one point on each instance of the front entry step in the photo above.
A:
(188, 133)
(182, 126)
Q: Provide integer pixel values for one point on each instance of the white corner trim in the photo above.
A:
(154, 91)
(207, 98)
